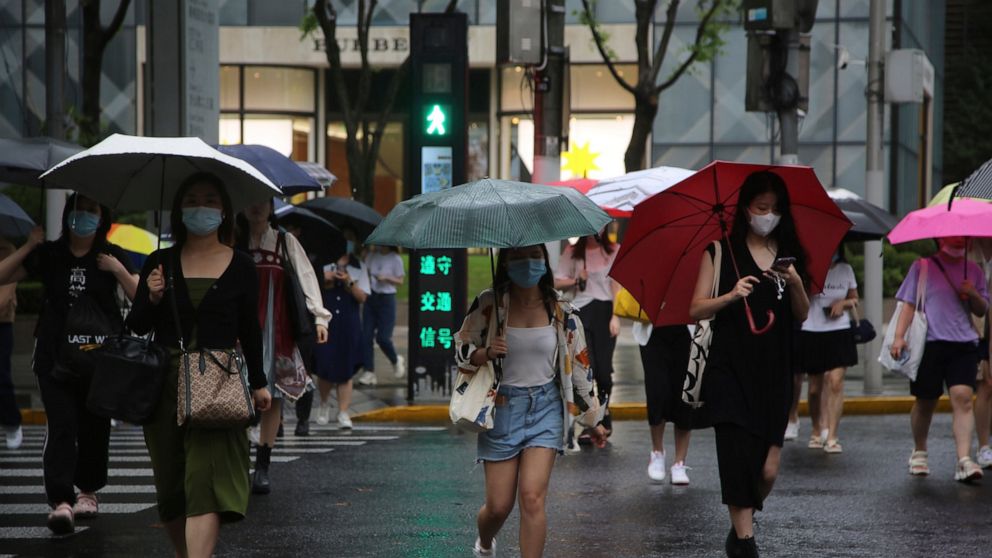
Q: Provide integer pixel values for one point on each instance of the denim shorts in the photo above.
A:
(529, 418)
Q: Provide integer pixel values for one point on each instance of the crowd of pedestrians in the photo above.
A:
(229, 281)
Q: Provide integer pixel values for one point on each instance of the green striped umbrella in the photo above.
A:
(489, 213)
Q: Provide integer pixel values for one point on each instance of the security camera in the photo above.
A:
(844, 58)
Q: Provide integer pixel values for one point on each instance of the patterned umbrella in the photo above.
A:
(490, 213)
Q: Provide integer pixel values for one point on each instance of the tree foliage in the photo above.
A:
(707, 44)
(96, 37)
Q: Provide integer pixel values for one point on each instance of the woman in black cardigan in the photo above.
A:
(201, 475)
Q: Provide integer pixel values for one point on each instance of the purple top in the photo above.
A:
(947, 317)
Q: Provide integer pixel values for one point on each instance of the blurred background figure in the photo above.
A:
(385, 268)
(10, 413)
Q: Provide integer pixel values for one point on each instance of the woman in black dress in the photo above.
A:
(747, 386)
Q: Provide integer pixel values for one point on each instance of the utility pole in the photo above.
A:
(54, 103)
(874, 185)
(549, 92)
(788, 116)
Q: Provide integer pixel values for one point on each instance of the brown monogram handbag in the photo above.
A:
(213, 383)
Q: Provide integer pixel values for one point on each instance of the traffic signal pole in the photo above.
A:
(788, 117)
(874, 186)
(549, 89)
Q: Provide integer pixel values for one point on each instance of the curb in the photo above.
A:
(438, 414)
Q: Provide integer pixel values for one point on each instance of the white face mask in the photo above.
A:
(763, 225)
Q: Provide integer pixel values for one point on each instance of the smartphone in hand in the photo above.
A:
(782, 264)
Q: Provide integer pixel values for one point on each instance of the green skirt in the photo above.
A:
(197, 470)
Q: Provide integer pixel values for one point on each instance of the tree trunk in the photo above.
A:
(89, 123)
(645, 110)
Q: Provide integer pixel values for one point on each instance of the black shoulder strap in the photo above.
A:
(170, 285)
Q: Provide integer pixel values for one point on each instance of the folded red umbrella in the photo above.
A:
(659, 259)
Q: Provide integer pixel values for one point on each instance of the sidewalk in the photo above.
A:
(387, 401)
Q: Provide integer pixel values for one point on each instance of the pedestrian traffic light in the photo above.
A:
(436, 161)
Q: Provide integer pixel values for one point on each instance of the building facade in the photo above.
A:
(274, 90)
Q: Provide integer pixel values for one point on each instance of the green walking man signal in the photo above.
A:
(436, 119)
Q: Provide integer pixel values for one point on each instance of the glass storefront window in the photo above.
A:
(290, 135)
(230, 88)
(271, 88)
(389, 168)
(593, 150)
(592, 89)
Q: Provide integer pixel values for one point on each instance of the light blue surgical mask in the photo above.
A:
(350, 247)
(83, 223)
(527, 273)
(202, 221)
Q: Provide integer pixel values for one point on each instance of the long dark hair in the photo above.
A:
(226, 230)
(785, 236)
(546, 285)
(579, 250)
(242, 228)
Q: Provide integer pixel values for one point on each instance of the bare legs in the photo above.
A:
(270, 423)
(743, 518)
(194, 537)
(527, 477)
(919, 420)
(817, 401)
(343, 393)
(834, 400)
(681, 441)
(983, 407)
(963, 421)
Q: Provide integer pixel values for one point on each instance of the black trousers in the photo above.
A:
(740, 458)
(10, 415)
(596, 318)
(76, 442)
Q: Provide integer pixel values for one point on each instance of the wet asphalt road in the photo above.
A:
(417, 496)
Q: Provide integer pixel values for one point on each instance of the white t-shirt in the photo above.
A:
(390, 264)
(599, 286)
(840, 280)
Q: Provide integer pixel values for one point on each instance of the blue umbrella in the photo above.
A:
(281, 170)
(14, 222)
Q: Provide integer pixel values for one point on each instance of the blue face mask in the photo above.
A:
(526, 273)
(83, 223)
(202, 221)
(350, 247)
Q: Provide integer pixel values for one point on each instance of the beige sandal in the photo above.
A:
(815, 442)
(918, 464)
(833, 446)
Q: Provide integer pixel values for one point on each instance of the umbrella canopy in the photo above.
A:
(281, 170)
(581, 185)
(870, 221)
(490, 213)
(965, 217)
(659, 259)
(346, 213)
(22, 160)
(619, 195)
(132, 173)
(319, 237)
(135, 239)
(978, 184)
(14, 222)
(317, 172)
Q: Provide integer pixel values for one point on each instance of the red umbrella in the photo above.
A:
(659, 259)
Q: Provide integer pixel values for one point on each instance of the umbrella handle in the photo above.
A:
(754, 327)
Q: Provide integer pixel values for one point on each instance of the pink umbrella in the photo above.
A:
(966, 217)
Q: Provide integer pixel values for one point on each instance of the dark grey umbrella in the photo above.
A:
(22, 160)
(870, 221)
(318, 236)
(346, 213)
(14, 222)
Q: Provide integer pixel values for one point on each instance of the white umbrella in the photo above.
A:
(619, 195)
(133, 173)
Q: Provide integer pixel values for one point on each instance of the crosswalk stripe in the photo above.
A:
(10, 509)
(137, 451)
(114, 444)
(10, 533)
(41, 473)
(109, 489)
(137, 459)
(321, 443)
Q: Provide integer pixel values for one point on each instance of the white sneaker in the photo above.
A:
(367, 378)
(14, 437)
(323, 413)
(344, 421)
(792, 431)
(679, 477)
(656, 467)
(985, 457)
(399, 369)
(967, 471)
(254, 435)
(480, 552)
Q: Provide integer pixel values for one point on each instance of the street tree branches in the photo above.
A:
(96, 37)
(650, 82)
(364, 129)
